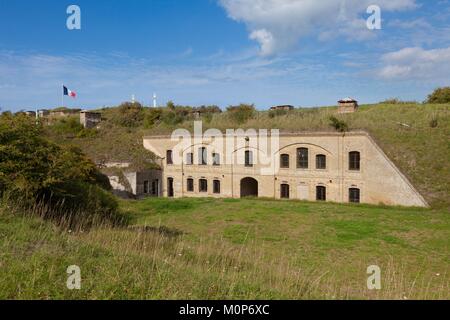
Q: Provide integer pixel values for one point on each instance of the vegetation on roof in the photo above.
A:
(415, 136)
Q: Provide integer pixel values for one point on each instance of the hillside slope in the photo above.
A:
(415, 136)
(232, 249)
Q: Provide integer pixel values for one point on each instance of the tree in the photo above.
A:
(440, 95)
(34, 170)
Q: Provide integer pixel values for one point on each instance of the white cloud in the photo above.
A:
(416, 63)
(34, 80)
(278, 25)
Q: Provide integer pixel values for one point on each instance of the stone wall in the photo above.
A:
(378, 180)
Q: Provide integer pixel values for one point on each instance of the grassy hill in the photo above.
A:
(415, 136)
(232, 249)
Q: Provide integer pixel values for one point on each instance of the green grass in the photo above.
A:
(233, 249)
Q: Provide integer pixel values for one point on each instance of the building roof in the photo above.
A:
(347, 100)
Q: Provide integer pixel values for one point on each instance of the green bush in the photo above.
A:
(152, 117)
(338, 125)
(440, 95)
(67, 126)
(34, 171)
(129, 115)
(242, 113)
(172, 118)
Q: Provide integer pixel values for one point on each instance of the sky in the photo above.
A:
(223, 52)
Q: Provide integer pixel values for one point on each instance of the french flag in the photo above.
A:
(69, 93)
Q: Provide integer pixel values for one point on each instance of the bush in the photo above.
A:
(172, 118)
(67, 126)
(129, 115)
(152, 117)
(241, 113)
(338, 125)
(440, 95)
(35, 171)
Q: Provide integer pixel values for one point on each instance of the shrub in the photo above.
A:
(338, 125)
(34, 171)
(440, 95)
(129, 115)
(241, 113)
(67, 126)
(152, 117)
(171, 118)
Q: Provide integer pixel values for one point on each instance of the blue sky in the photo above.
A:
(224, 52)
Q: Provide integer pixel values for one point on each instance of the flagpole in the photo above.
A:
(62, 96)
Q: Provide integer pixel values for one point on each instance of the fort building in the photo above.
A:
(347, 105)
(90, 119)
(329, 166)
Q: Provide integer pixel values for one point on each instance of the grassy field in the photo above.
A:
(232, 249)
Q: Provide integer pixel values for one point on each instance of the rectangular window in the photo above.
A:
(155, 187)
(169, 158)
(189, 158)
(284, 161)
(354, 161)
(354, 195)
(170, 190)
(190, 185)
(146, 186)
(321, 161)
(216, 159)
(248, 158)
(203, 185)
(202, 156)
(302, 158)
(284, 191)
(321, 193)
(216, 186)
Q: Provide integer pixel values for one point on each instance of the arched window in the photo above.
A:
(321, 161)
(248, 158)
(354, 159)
(284, 161)
(302, 158)
(169, 159)
(321, 193)
(190, 185)
(354, 195)
(284, 191)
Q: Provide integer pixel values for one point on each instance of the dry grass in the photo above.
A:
(192, 249)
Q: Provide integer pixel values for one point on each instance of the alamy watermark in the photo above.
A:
(374, 20)
(374, 280)
(252, 148)
(74, 278)
(74, 20)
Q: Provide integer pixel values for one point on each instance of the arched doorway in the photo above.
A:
(249, 187)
